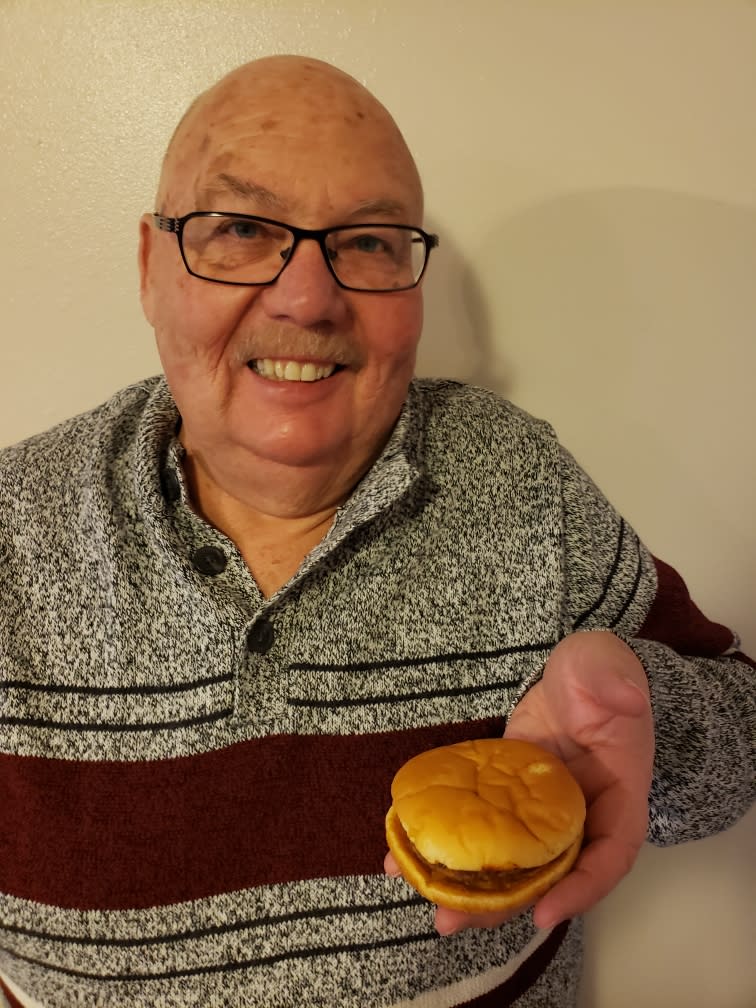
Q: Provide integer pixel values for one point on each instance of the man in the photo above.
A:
(237, 599)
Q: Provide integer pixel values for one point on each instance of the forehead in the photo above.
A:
(317, 144)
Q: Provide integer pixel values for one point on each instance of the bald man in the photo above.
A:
(238, 596)
(269, 458)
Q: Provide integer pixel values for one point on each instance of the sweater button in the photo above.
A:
(260, 637)
(209, 560)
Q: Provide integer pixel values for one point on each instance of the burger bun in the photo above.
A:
(485, 825)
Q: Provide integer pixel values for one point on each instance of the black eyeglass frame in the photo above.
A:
(176, 226)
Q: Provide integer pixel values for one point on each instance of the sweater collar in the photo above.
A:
(160, 485)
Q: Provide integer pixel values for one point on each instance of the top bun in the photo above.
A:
(488, 805)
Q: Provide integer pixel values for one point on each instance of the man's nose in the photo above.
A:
(306, 293)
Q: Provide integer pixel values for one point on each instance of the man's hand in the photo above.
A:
(591, 708)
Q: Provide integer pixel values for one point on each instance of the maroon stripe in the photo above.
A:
(674, 619)
(517, 985)
(117, 835)
(743, 658)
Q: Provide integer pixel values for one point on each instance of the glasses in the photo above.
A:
(251, 251)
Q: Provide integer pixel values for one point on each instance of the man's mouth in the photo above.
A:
(278, 369)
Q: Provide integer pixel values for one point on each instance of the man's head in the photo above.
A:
(297, 141)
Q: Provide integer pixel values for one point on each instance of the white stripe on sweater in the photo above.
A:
(17, 993)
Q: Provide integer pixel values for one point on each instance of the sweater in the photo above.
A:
(194, 777)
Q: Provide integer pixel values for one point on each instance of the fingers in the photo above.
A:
(601, 866)
(615, 831)
(390, 866)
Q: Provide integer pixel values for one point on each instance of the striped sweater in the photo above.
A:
(193, 777)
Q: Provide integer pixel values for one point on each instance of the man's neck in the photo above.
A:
(275, 518)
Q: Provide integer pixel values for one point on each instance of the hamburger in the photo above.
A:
(485, 825)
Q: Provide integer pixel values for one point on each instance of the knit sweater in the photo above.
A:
(193, 777)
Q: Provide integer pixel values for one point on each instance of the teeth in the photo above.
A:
(283, 370)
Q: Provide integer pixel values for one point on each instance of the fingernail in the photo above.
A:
(445, 932)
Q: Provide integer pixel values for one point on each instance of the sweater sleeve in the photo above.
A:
(701, 685)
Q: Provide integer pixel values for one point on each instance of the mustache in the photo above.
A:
(279, 340)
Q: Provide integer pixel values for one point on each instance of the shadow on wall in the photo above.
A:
(626, 318)
(638, 285)
(457, 332)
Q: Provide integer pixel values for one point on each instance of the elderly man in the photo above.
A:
(236, 598)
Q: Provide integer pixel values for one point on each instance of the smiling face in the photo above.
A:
(301, 374)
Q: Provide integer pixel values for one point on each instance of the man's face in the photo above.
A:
(311, 159)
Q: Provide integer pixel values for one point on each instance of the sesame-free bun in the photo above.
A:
(485, 825)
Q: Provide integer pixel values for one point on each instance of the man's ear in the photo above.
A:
(146, 236)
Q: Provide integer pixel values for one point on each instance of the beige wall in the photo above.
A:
(591, 167)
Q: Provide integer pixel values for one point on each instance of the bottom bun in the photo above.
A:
(445, 892)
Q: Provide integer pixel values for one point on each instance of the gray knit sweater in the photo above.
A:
(194, 777)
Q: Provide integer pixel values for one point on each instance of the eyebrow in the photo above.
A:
(225, 183)
(379, 208)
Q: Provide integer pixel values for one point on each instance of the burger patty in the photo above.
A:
(485, 880)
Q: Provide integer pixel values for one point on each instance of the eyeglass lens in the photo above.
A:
(240, 250)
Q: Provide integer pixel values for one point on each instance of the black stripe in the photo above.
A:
(146, 690)
(230, 967)
(403, 697)
(106, 727)
(454, 656)
(599, 601)
(192, 935)
(633, 590)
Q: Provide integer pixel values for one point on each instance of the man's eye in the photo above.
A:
(243, 229)
(368, 243)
